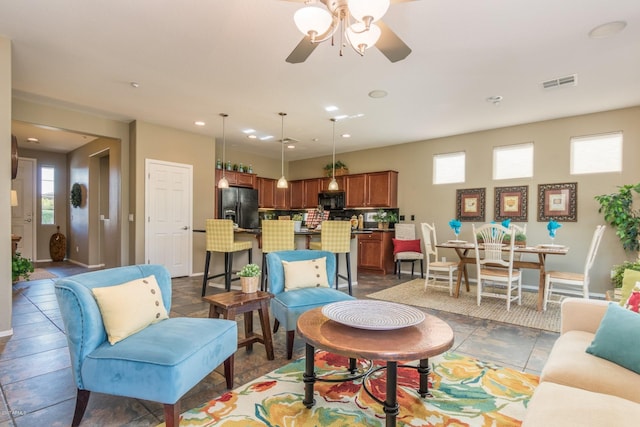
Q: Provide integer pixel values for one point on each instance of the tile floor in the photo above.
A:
(36, 387)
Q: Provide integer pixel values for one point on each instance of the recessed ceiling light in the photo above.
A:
(266, 138)
(378, 93)
(248, 131)
(331, 108)
(608, 29)
(31, 139)
(495, 99)
(135, 84)
(252, 136)
(199, 123)
(346, 135)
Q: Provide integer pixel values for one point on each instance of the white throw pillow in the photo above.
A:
(130, 307)
(305, 274)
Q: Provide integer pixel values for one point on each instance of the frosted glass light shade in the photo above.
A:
(361, 38)
(282, 182)
(375, 9)
(333, 185)
(312, 20)
(223, 183)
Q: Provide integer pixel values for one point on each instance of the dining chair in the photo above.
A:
(335, 237)
(573, 284)
(220, 238)
(288, 303)
(406, 248)
(488, 255)
(121, 341)
(436, 266)
(277, 235)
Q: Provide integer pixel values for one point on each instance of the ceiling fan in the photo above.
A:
(359, 23)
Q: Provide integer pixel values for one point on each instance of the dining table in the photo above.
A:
(463, 248)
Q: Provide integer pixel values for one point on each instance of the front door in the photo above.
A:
(168, 199)
(23, 216)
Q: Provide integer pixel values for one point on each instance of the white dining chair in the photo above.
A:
(406, 233)
(435, 267)
(490, 255)
(572, 284)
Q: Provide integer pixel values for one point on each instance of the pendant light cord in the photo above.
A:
(224, 143)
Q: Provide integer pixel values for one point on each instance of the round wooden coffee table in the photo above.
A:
(427, 339)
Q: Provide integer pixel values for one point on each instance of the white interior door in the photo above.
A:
(168, 207)
(23, 216)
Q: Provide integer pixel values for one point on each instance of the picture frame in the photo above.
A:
(558, 202)
(511, 203)
(470, 204)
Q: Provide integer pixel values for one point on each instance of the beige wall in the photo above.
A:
(5, 186)
(429, 203)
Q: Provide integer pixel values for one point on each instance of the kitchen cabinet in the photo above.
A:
(375, 252)
(374, 189)
(304, 193)
(281, 198)
(266, 192)
(238, 179)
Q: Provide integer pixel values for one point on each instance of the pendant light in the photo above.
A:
(282, 182)
(223, 183)
(333, 185)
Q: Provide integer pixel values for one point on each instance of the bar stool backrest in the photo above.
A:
(219, 235)
(336, 236)
(277, 235)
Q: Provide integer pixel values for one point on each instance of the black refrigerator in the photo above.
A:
(239, 205)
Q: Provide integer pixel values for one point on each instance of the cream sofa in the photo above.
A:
(577, 388)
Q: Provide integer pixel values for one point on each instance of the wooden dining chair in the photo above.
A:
(489, 255)
(572, 284)
(436, 266)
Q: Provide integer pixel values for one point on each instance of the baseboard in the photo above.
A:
(7, 333)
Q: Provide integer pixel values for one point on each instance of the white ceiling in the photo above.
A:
(194, 59)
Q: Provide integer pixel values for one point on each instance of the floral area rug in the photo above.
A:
(466, 392)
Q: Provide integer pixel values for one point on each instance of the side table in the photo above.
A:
(230, 304)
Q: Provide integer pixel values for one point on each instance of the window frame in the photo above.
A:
(52, 182)
(594, 138)
(452, 155)
(500, 149)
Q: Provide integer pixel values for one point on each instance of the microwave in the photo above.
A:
(331, 200)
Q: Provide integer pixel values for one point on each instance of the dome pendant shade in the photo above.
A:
(361, 38)
(223, 183)
(312, 21)
(282, 182)
(370, 10)
(333, 185)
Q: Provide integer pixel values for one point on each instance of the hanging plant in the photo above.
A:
(76, 195)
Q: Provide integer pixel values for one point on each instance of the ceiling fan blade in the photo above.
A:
(391, 45)
(302, 51)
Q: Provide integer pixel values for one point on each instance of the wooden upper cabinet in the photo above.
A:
(296, 194)
(382, 189)
(281, 198)
(304, 193)
(375, 189)
(238, 179)
(266, 192)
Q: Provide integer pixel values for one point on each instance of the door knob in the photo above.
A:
(185, 228)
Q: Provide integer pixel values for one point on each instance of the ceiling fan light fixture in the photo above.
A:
(368, 11)
(312, 21)
(362, 38)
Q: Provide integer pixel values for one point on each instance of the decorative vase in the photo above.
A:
(58, 246)
(250, 284)
(383, 225)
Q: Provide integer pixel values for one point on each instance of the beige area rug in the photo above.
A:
(41, 273)
(413, 293)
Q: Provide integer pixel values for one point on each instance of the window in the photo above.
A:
(448, 168)
(47, 185)
(596, 153)
(513, 161)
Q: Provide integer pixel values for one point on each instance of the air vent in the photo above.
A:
(571, 80)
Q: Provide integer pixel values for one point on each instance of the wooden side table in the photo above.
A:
(229, 304)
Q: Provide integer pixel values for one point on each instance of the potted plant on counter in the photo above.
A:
(384, 218)
(297, 221)
(249, 278)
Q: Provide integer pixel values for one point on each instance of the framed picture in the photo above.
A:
(470, 204)
(511, 203)
(558, 202)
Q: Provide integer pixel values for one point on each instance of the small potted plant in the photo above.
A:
(20, 267)
(384, 218)
(340, 167)
(249, 278)
(297, 221)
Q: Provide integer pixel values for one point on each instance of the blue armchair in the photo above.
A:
(287, 306)
(159, 363)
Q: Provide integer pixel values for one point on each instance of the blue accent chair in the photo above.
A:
(287, 306)
(159, 363)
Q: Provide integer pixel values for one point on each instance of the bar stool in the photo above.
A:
(219, 238)
(335, 236)
(277, 235)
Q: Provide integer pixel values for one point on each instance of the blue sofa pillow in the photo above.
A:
(618, 338)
